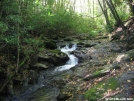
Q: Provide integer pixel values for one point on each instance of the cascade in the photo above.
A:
(72, 59)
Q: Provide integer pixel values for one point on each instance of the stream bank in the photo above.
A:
(101, 63)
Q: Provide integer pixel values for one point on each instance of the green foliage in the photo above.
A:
(32, 46)
(82, 25)
(52, 20)
(3, 27)
(122, 15)
(14, 19)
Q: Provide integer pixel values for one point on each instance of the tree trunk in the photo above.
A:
(93, 9)
(115, 14)
(1, 8)
(104, 10)
(18, 40)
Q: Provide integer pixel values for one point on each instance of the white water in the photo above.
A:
(72, 59)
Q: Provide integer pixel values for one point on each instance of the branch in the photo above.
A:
(3, 46)
(110, 94)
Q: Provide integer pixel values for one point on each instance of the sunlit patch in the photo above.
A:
(119, 58)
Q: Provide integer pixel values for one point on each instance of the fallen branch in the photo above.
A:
(109, 94)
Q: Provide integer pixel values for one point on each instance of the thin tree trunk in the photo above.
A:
(111, 9)
(93, 9)
(10, 83)
(1, 8)
(120, 22)
(104, 10)
(115, 14)
(18, 41)
(74, 5)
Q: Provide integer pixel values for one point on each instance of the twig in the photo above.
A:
(109, 95)
(3, 46)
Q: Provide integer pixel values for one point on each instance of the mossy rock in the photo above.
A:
(129, 56)
(98, 73)
(97, 91)
(45, 94)
(101, 72)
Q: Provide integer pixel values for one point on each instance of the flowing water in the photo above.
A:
(72, 59)
(46, 78)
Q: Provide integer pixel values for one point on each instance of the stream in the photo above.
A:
(99, 60)
(46, 80)
(72, 59)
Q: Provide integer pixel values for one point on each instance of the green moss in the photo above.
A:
(100, 72)
(96, 92)
(92, 94)
(97, 73)
(111, 84)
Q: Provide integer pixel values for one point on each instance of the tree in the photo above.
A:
(104, 10)
(115, 14)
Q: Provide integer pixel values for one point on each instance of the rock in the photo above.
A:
(114, 47)
(129, 56)
(46, 94)
(130, 42)
(89, 45)
(81, 71)
(82, 36)
(50, 45)
(52, 57)
(116, 66)
(34, 59)
(81, 43)
(43, 94)
(40, 65)
(81, 55)
(79, 97)
(126, 80)
(68, 39)
(117, 34)
(98, 73)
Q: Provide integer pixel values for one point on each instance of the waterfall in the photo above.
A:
(72, 59)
